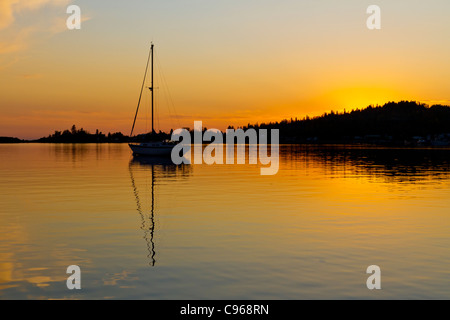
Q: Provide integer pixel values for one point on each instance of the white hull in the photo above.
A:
(151, 149)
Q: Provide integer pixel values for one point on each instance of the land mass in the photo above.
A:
(394, 123)
(10, 140)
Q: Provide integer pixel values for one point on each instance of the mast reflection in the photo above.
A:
(161, 168)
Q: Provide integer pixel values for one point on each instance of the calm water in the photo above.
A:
(157, 231)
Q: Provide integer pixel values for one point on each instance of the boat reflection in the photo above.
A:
(140, 169)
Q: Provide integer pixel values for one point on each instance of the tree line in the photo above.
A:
(393, 122)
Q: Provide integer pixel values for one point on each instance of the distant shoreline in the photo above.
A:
(346, 145)
(398, 124)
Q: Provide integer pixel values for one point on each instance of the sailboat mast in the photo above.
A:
(153, 130)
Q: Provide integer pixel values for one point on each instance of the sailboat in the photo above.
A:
(154, 148)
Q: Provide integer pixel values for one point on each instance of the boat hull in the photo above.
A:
(151, 149)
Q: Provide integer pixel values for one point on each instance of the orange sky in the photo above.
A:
(225, 62)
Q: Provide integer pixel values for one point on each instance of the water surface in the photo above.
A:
(142, 229)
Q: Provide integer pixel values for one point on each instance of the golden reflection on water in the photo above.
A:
(148, 229)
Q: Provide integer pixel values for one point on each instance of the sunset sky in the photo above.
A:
(225, 62)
